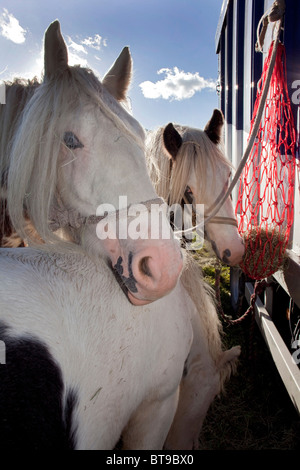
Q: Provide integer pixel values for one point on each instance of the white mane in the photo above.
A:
(197, 152)
(35, 149)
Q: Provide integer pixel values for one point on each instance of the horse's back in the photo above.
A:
(34, 414)
(75, 345)
(36, 403)
(40, 323)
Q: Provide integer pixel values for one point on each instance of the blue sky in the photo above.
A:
(172, 43)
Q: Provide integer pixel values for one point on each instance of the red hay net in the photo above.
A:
(266, 193)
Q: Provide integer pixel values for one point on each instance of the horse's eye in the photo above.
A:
(71, 141)
(189, 195)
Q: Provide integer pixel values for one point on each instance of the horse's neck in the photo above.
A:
(86, 238)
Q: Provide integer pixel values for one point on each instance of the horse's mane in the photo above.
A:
(32, 159)
(196, 150)
(17, 93)
(170, 182)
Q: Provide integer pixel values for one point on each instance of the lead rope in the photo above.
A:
(259, 288)
(275, 14)
(272, 17)
(255, 128)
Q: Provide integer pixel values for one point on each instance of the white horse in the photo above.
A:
(96, 367)
(83, 364)
(187, 165)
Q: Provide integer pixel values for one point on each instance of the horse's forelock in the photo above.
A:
(206, 154)
(196, 152)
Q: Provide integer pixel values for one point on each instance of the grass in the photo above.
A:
(256, 412)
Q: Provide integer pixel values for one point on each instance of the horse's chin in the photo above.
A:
(135, 301)
(129, 295)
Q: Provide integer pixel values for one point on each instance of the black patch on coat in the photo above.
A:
(32, 415)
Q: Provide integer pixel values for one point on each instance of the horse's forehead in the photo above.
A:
(119, 112)
(191, 133)
(92, 114)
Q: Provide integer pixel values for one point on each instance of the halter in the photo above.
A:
(213, 208)
(60, 217)
(212, 219)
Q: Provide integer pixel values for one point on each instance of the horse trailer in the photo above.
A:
(241, 64)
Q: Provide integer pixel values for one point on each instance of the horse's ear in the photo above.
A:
(172, 140)
(214, 126)
(117, 79)
(56, 53)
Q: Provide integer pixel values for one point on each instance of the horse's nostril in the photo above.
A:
(226, 256)
(144, 266)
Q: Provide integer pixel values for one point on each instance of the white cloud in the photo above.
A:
(177, 85)
(10, 28)
(4, 70)
(95, 42)
(78, 48)
(75, 59)
(77, 51)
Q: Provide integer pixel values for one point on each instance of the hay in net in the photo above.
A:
(264, 252)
